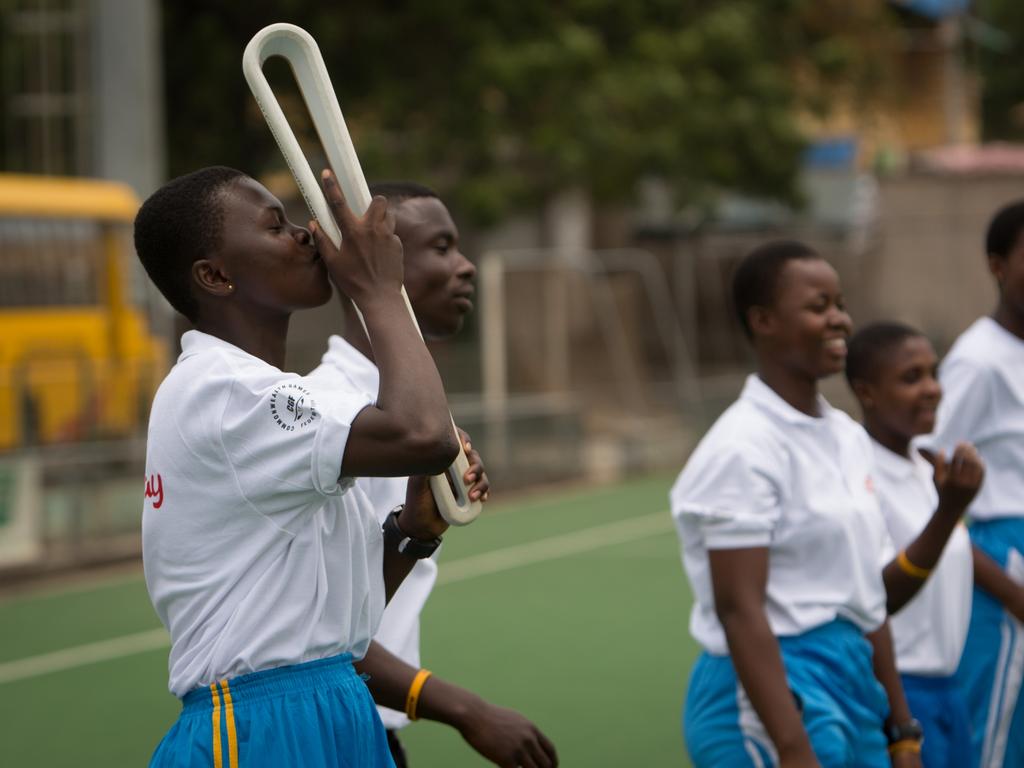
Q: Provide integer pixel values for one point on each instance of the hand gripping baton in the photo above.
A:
(298, 48)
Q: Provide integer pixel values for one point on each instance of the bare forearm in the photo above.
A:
(957, 482)
(410, 385)
(927, 548)
(396, 568)
(758, 661)
(884, 661)
(499, 735)
(924, 552)
(993, 579)
(390, 679)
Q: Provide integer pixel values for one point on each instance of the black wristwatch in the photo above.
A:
(911, 730)
(395, 538)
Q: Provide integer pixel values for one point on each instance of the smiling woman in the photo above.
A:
(791, 306)
(783, 543)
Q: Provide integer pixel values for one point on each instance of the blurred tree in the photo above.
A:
(500, 103)
(1001, 63)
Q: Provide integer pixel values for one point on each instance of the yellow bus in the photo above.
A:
(78, 356)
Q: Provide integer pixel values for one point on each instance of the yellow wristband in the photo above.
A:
(909, 568)
(905, 745)
(413, 697)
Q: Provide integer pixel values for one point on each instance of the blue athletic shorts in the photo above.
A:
(314, 715)
(830, 673)
(992, 666)
(939, 705)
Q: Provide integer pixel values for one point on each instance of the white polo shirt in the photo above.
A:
(983, 403)
(767, 475)
(930, 631)
(399, 630)
(256, 554)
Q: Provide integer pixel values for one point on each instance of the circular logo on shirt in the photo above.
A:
(292, 407)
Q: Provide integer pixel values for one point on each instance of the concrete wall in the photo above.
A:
(928, 267)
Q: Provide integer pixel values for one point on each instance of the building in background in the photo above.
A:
(81, 90)
(927, 97)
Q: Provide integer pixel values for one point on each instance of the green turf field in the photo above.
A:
(569, 606)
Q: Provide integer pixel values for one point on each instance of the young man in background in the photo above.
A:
(439, 281)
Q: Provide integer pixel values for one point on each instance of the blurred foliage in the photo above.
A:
(498, 104)
(1001, 65)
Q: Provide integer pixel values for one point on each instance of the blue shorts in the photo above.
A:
(829, 671)
(992, 666)
(939, 705)
(315, 715)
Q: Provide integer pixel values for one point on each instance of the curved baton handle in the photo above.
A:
(298, 48)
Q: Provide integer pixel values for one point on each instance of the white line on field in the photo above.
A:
(463, 569)
(80, 655)
(554, 547)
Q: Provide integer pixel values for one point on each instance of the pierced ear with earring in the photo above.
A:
(231, 286)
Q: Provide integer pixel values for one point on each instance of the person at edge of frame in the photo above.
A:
(982, 377)
(439, 281)
(783, 541)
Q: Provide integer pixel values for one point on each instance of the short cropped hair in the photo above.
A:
(400, 191)
(1004, 230)
(177, 225)
(868, 345)
(755, 281)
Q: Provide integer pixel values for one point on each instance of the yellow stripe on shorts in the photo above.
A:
(229, 712)
(218, 759)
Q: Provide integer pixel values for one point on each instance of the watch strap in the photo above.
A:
(395, 538)
(910, 730)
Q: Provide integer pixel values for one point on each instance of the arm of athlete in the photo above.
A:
(500, 735)
(994, 580)
(884, 660)
(957, 482)
(408, 431)
(421, 519)
(739, 578)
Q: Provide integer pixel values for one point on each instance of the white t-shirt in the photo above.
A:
(399, 630)
(930, 631)
(767, 475)
(983, 403)
(257, 554)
